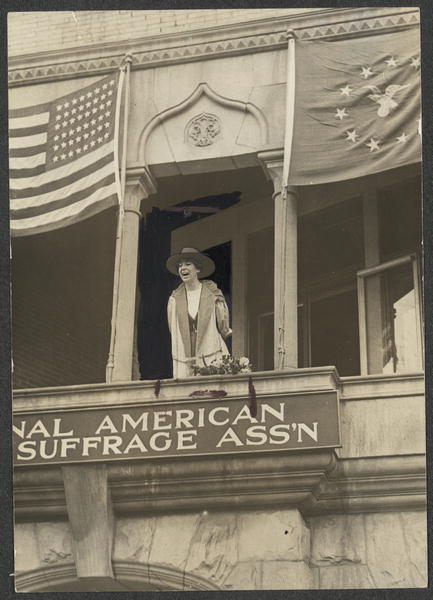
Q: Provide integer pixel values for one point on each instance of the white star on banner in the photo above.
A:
(345, 91)
(391, 62)
(352, 135)
(415, 63)
(341, 113)
(401, 139)
(366, 72)
(373, 144)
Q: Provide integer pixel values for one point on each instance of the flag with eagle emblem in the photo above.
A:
(357, 107)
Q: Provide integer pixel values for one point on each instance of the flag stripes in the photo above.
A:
(63, 158)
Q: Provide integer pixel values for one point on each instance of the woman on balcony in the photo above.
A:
(198, 317)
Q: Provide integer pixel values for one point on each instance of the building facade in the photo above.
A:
(334, 266)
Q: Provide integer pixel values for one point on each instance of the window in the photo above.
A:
(390, 317)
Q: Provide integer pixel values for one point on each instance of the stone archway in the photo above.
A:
(205, 126)
(129, 576)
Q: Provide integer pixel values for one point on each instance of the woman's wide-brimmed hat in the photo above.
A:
(207, 265)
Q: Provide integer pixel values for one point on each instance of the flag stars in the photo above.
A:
(366, 72)
(373, 145)
(341, 113)
(70, 154)
(415, 62)
(345, 91)
(391, 62)
(55, 158)
(402, 139)
(351, 135)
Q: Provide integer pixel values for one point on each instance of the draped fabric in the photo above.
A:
(357, 107)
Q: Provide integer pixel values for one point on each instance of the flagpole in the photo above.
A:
(288, 138)
(121, 186)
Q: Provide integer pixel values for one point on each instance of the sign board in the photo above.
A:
(168, 429)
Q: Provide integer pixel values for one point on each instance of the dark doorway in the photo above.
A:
(156, 285)
(334, 332)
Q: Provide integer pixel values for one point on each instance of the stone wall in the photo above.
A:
(70, 29)
(377, 550)
(257, 549)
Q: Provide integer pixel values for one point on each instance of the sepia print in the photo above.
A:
(217, 307)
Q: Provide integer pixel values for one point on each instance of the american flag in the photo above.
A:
(63, 160)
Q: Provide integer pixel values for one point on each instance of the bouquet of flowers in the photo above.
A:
(226, 365)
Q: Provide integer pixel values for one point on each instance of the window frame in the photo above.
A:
(362, 312)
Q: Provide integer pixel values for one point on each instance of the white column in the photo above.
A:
(139, 185)
(285, 265)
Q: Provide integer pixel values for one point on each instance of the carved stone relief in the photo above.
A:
(203, 130)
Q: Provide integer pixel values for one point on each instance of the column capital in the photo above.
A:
(140, 184)
(272, 164)
(139, 175)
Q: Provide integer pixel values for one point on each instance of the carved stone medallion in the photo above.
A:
(203, 130)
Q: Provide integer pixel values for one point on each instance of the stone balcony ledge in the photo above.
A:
(372, 471)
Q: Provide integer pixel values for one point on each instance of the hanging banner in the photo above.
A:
(187, 428)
